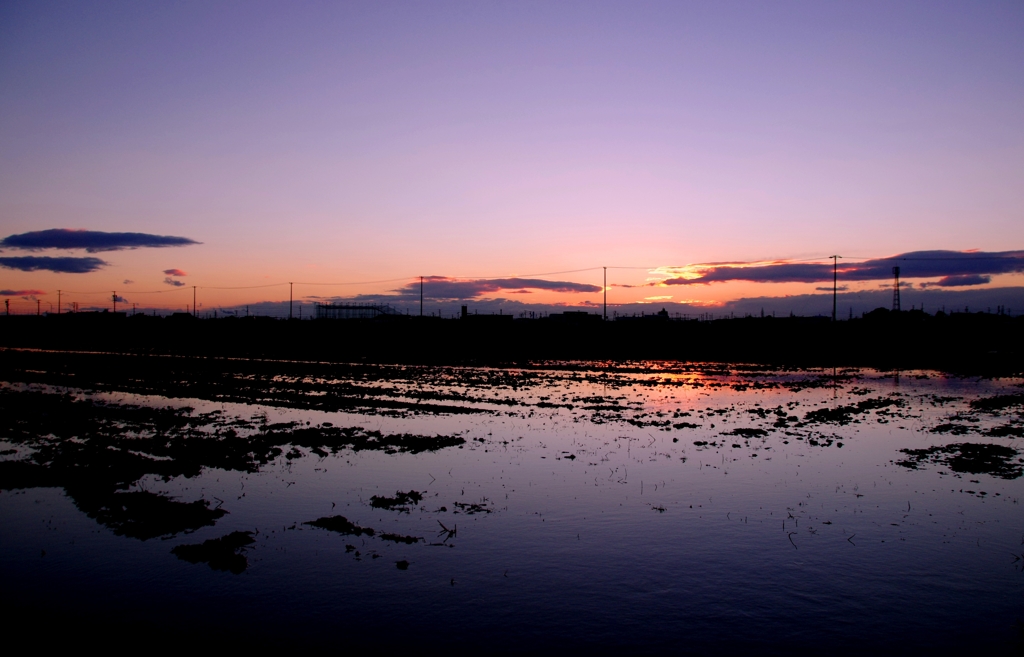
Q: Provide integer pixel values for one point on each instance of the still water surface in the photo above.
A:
(582, 505)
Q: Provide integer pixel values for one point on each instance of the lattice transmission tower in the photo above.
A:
(896, 289)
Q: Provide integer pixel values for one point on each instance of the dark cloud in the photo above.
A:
(127, 281)
(915, 264)
(91, 240)
(20, 293)
(175, 272)
(62, 265)
(441, 287)
(841, 288)
(774, 273)
(962, 280)
(931, 264)
(171, 281)
(119, 299)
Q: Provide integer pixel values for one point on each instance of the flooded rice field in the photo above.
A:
(588, 507)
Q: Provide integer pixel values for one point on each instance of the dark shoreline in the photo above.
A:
(976, 343)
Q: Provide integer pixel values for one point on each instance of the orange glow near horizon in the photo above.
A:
(225, 289)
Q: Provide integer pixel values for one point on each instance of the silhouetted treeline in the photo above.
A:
(976, 342)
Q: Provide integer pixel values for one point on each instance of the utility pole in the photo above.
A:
(114, 299)
(38, 313)
(605, 293)
(835, 279)
(290, 300)
(421, 296)
(58, 302)
(193, 300)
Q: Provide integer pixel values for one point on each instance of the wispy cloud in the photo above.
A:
(967, 267)
(442, 287)
(21, 293)
(92, 241)
(175, 272)
(175, 283)
(61, 265)
(127, 281)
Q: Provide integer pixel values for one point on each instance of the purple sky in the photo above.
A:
(332, 142)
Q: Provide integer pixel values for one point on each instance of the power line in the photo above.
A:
(244, 287)
(493, 278)
(179, 289)
(389, 280)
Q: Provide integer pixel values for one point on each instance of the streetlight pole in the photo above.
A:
(290, 287)
(605, 293)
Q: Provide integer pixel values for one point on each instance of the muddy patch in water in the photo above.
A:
(340, 525)
(400, 502)
(969, 458)
(98, 452)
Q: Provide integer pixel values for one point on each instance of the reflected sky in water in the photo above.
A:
(638, 506)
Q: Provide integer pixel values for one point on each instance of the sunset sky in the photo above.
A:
(367, 144)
